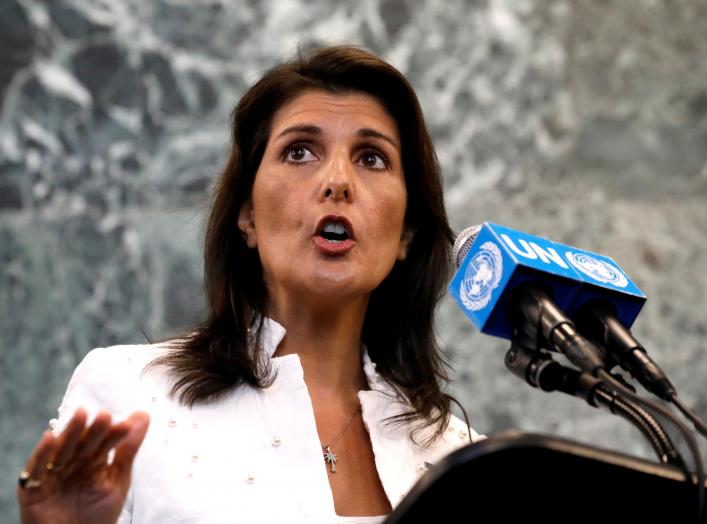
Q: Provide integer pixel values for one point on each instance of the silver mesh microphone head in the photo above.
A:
(463, 243)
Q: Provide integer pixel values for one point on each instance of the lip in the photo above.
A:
(328, 247)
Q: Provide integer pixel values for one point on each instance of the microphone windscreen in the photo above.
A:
(463, 244)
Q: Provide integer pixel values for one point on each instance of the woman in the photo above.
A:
(327, 249)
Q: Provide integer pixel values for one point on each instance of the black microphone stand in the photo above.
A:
(540, 370)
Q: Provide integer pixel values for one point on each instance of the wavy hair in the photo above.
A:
(219, 354)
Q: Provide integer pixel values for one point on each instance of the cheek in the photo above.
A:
(277, 218)
(275, 209)
(390, 214)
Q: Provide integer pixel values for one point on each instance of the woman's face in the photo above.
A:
(328, 201)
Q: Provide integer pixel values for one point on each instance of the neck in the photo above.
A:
(328, 342)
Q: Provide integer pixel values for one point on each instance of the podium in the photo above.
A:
(525, 477)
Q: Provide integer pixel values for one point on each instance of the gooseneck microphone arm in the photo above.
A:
(689, 437)
(540, 370)
(647, 424)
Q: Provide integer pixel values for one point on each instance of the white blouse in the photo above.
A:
(378, 519)
(253, 455)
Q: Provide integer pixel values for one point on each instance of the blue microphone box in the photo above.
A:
(501, 259)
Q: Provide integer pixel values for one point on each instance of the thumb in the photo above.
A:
(126, 451)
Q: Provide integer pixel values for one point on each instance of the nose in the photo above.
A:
(336, 182)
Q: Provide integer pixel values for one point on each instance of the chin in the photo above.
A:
(338, 286)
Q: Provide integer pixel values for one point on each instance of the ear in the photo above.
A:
(247, 225)
(405, 240)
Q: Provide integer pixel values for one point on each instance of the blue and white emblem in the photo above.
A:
(483, 273)
(597, 269)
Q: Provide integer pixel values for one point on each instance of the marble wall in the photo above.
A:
(585, 122)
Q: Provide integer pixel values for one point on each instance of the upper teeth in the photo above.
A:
(334, 227)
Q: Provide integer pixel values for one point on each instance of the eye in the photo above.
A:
(298, 153)
(373, 159)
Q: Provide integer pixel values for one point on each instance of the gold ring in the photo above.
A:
(26, 482)
(51, 466)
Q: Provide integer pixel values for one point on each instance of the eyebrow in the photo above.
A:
(365, 132)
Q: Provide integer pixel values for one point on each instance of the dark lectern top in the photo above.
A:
(524, 477)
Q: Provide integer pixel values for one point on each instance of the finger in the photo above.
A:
(93, 436)
(37, 464)
(68, 440)
(116, 433)
(126, 451)
(90, 465)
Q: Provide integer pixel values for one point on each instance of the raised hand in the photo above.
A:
(67, 478)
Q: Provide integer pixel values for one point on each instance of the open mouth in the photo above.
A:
(335, 229)
(334, 232)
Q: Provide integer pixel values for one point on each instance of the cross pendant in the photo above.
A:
(330, 458)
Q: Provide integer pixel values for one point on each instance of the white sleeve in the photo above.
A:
(126, 514)
(100, 382)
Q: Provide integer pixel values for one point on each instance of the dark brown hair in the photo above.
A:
(398, 330)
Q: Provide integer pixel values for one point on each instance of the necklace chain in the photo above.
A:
(329, 456)
(343, 429)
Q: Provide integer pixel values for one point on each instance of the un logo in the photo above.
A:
(597, 269)
(481, 277)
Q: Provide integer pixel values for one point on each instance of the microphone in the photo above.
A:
(591, 288)
(597, 321)
(520, 298)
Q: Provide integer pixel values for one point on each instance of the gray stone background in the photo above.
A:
(585, 122)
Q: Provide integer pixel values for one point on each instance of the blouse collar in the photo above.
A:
(273, 333)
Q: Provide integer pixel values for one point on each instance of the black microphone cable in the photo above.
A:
(691, 415)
